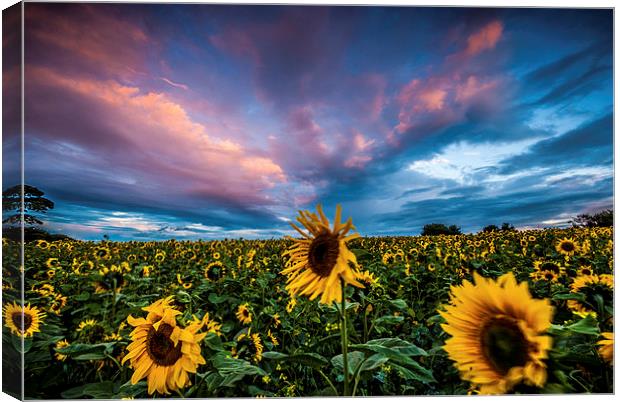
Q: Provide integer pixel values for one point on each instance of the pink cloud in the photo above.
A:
(175, 148)
(471, 87)
(360, 142)
(357, 161)
(90, 36)
(368, 93)
(484, 39)
(174, 84)
(443, 97)
(426, 96)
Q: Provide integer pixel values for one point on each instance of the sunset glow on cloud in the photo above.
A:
(197, 121)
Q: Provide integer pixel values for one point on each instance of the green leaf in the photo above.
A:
(569, 296)
(183, 297)
(354, 359)
(275, 355)
(400, 304)
(227, 365)
(415, 372)
(373, 362)
(586, 326)
(77, 350)
(215, 299)
(98, 390)
(16, 341)
(361, 254)
(389, 319)
(129, 389)
(213, 342)
(82, 296)
(213, 380)
(90, 356)
(314, 360)
(391, 347)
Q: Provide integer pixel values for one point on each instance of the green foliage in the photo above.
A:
(434, 229)
(603, 218)
(33, 202)
(395, 331)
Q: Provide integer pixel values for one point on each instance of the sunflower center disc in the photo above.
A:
(213, 273)
(22, 321)
(549, 266)
(323, 254)
(566, 246)
(160, 348)
(504, 345)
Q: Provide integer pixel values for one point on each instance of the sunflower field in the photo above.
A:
(327, 313)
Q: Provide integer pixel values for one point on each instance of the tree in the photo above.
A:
(507, 227)
(433, 229)
(490, 228)
(34, 202)
(604, 218)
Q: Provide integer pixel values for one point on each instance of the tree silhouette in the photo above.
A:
(34, 202)
(604, 218)
(490, 228)
(433, 229)
(507, 227)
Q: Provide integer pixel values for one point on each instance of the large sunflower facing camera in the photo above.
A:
(22, 321)
(320, 259)
(497, 333)
(161, 351)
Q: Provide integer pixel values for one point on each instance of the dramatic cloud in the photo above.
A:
(151, 121)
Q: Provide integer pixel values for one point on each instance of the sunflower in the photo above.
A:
(146, 270)
(61, 345)
(369, 278)
(112, 279)
(276, 320)
(567, 247)
(243, 314)
(496, 329)
(58, 303)
(548, 276)
(160, 256)
(42, 244)
(22, 321)
(52, 263)
(102, 253)
(45, 290)
(209, 324)
(250, 343)
(319, 262)
(606, 347)
(542, 266)
(215, 271)
(290, 306)
(590, 286)
(272, 338)
(161, 351)
(585, 270)
(84, 325)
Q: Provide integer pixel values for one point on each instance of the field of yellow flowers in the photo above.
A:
(498, 312)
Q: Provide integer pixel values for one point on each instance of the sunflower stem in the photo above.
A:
(344, 337)
(331, 384)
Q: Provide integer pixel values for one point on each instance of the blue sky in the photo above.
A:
(194, 121)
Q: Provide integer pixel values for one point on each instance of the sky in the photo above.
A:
(149, 122)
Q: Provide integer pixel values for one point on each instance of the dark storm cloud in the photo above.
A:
(522, 208)
(590, 144)
(162, 120)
